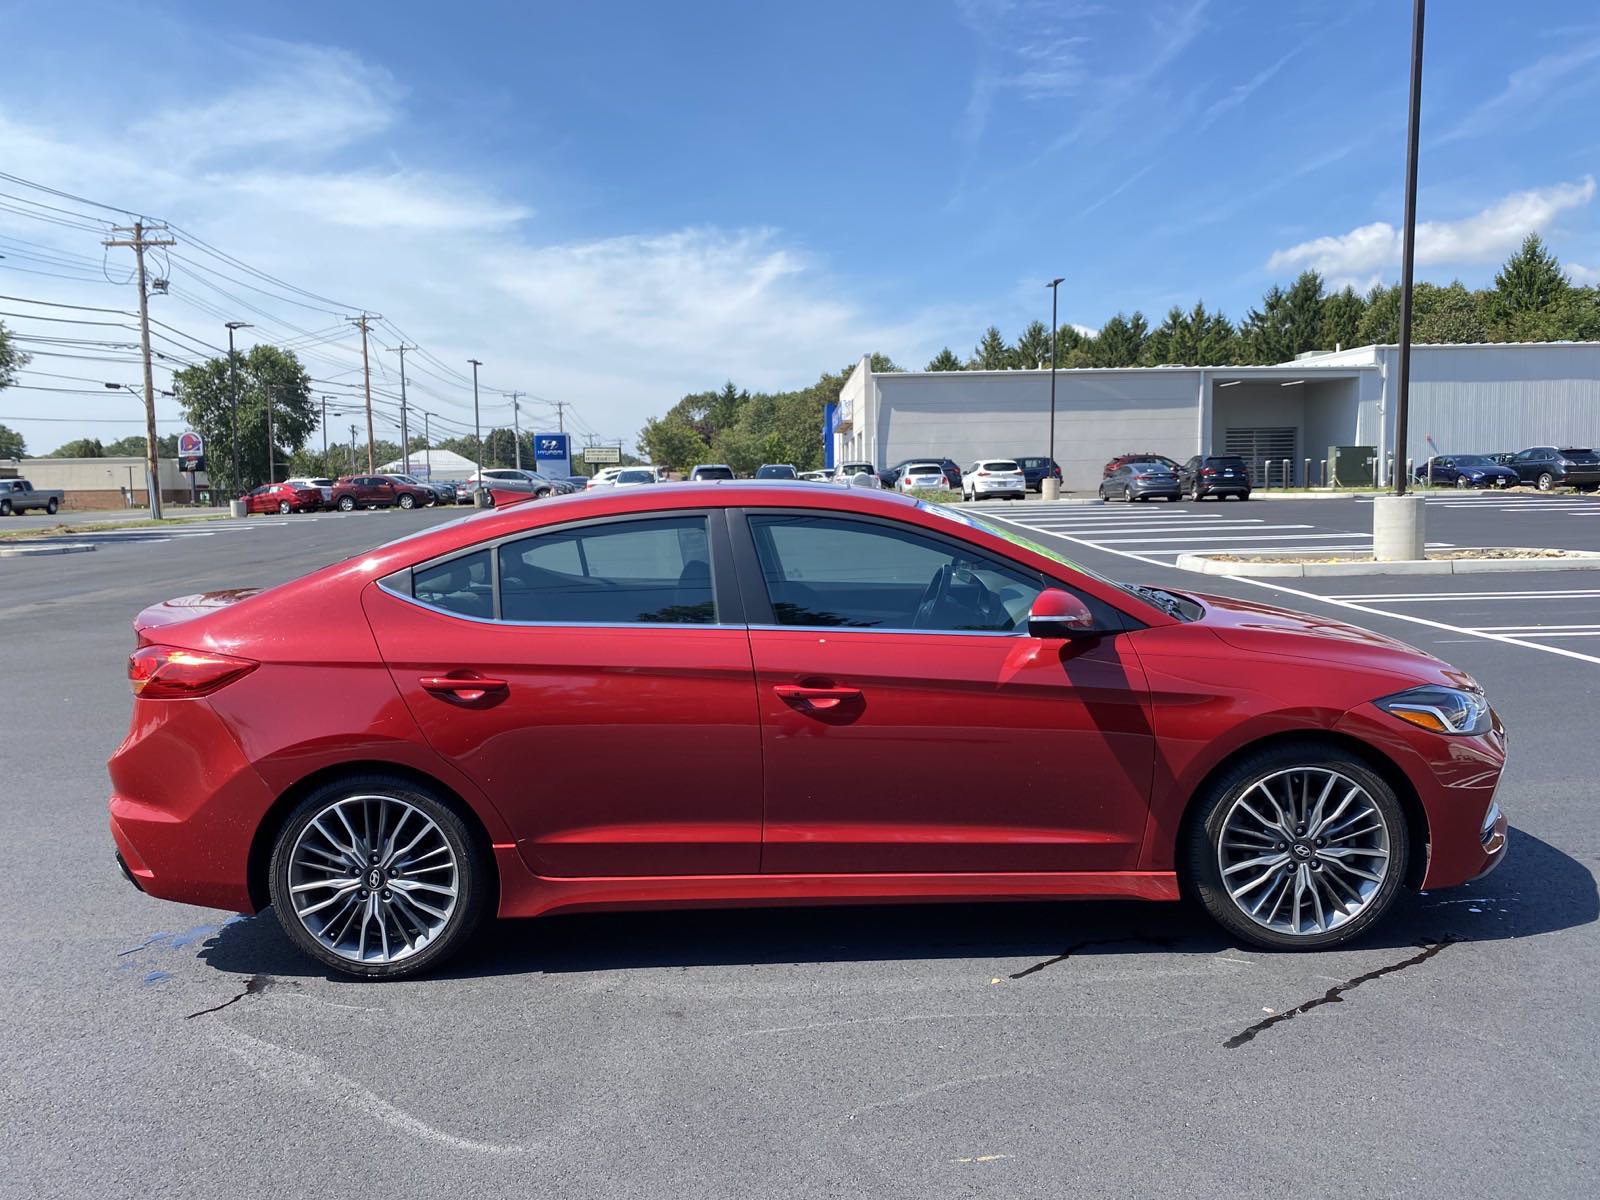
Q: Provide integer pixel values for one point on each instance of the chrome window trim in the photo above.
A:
(509, 624)
(988, 633)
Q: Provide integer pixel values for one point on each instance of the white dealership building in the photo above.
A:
(1477, 398)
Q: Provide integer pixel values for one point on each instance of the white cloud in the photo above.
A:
(1582, 274)
(407, 199)
(1527, 87)
(1484, 237)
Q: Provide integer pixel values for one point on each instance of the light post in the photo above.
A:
(153, 483)
(1397, 527)
(477, 438)
(1049, 485)
(233, 389)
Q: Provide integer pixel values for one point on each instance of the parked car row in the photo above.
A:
(393, 490)
(1544, 467)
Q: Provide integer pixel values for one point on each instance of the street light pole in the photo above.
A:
(272, 467)
(427, 445)
(1049, 485)
(233, 388)
(477, 435)
(1397, 526)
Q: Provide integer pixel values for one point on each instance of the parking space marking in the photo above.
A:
(1336, 601)
(1444, 597)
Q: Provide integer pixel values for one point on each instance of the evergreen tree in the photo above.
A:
(1447, 314)
(992, 353)
(12, 444)
(1033, 347)
(1303, 314)
(946, 361)
(1120, 341)
(1070, 343)
(1341, 320)
(1531, 280)
(1265, 331)
(1380, 320)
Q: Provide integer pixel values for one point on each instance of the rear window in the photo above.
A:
(1586, 457)
(775, 472)
(924, 469)
(713, 472)
(636, 477)
(1236, 463)
(999, 464)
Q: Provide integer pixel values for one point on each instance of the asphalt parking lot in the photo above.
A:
(1087, 1049)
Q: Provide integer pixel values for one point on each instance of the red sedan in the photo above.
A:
(505, 681)
(282, 498)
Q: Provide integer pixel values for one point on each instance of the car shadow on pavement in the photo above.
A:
(1538, 890)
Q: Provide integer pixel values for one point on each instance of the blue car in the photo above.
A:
(1466, 471)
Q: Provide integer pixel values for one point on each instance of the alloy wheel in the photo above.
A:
(373, 879)
(1303, 851)
(1546, 481)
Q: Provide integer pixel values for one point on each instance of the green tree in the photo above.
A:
(1071, 347)
(1265, 330)
(10, 358)
(1120, 341)
(739, 448)
(1033, 347)
(1447, 314)
(206, 394)
(992, 353)
(946, 361)
(1380, 321)
(672, 441)
(12, 443)
(132, 446)
(500, 449)
(1531, 281)
(1340, 327)
(1196, 338)
(84, 448)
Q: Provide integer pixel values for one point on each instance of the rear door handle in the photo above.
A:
(805, 698)
(468, 688)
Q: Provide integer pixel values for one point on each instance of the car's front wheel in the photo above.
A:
(407, 500)
(1299, 846)
(378, 877)
(347, 504)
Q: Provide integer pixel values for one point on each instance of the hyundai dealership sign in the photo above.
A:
(553, 450)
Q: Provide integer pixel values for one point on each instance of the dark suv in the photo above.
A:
(1035, 468)
(1546, 467)
(1218, 475)
(952, 473)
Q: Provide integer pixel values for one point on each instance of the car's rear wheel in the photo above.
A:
(51, 505)
(1299, 846)
(1546, 481)
(378, 877)
(1194, 492)
(347, 504)
(407, 500)
(1127, 495)
(283, 507)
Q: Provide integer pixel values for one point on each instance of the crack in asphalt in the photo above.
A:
(253, 986)
(1335, 994)
(1158, 942)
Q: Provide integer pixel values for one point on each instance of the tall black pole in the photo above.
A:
(477, 433)
(1050, 466)
(233, 387)
(1408, 247)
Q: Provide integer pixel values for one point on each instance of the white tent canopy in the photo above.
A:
(432, 464)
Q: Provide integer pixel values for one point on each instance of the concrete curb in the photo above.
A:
(1204, 564)
(41, 551)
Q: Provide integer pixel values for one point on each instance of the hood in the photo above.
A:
(1266, 629)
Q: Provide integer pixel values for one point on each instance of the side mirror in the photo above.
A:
(1059, 614)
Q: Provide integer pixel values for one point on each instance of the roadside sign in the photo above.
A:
(602, 455)
(553, 449)
(191, 445)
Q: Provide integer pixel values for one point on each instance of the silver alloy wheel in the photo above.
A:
(1303, 851)
(373, 878)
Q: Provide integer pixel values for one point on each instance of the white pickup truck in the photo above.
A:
(18, 496)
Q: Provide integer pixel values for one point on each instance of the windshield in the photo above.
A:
(713, 472)
(635, 476)
(1157, 468)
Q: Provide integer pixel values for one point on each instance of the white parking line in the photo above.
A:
(1441, 597)
(1231, 535)
(1276, 586)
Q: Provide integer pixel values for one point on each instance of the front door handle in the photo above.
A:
(815, 698)
(467, 688)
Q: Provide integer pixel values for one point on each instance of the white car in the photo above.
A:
(710, 471)
(817, 476)
(604, 477)
(858, 474)
(994, 477)
(635, 476)
(921, 477)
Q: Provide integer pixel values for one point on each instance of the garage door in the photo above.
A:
(1258, 448)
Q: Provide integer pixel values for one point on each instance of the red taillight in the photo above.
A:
(1141, 477)
(1207, 471)
(173, 673)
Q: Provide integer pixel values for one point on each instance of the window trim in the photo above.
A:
(758, 604)
(725, 591)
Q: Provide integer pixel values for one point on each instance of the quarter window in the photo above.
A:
(463, 585)
(623, 572)
(827, 571)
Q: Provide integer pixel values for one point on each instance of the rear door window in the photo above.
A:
(653, 571)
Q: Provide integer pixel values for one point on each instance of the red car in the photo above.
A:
(1123, 460)
(745, 647)
(377, 491)
(282, 498)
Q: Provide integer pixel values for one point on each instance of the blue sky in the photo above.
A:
(613, 203)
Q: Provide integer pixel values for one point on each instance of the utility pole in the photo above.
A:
(561, 422)
(233, 387)
(326, 465)
(1049, 485)
(364, 323)
(272, 452)
(405, 438)
(427, 445)
(516, 427)
(477, 435)
(352, 449)
(139, 243)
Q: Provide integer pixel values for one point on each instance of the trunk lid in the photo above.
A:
(155, 623)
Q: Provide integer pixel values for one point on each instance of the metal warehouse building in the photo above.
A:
(1477, 398)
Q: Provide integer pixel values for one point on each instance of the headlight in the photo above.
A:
(1440, 709)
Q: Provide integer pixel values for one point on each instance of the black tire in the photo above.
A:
(347, 504)
(283, 507)
(1127, 495)
(5, 508)
(1194, 492)
(1172, 499)
(473, 886)
(1545, 482)
(1462, 483)
(407, 500)
(51, 506)
(1198, 854)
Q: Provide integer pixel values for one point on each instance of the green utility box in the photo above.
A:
(1352, 466)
